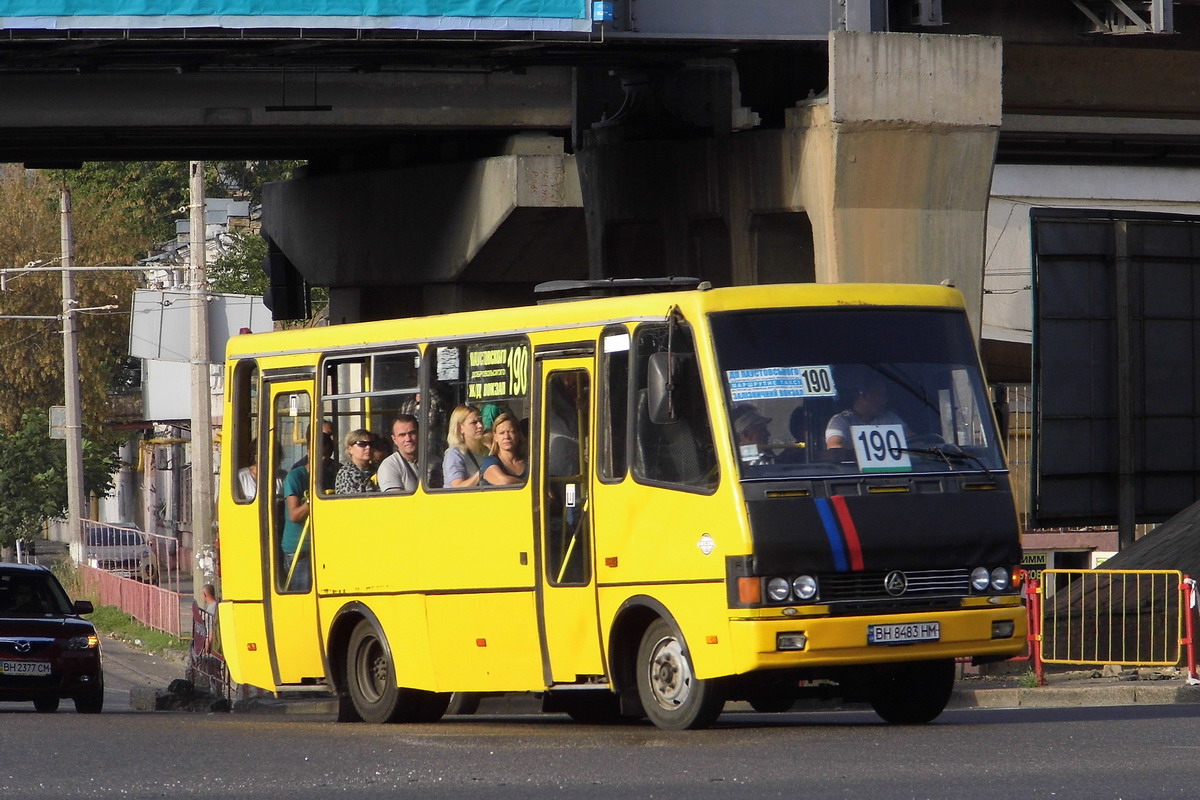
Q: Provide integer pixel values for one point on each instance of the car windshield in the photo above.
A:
(30, 594)
(853, 391)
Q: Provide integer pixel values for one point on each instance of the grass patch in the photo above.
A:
(113, 622)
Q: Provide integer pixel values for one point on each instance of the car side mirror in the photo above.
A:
(84, 607)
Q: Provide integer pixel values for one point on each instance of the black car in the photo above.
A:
(47, 652)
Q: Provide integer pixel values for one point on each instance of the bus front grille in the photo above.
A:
(916, 584)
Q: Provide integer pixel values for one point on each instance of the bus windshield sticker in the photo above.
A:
(880, 448)
(773, 382)
(447, 363)
(497, 371)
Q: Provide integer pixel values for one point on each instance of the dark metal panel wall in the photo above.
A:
(1117, 386)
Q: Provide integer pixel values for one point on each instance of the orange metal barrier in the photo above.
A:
(1124, 617)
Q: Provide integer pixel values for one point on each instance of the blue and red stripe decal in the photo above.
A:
(841, 533)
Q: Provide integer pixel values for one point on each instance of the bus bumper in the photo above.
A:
(840, 641)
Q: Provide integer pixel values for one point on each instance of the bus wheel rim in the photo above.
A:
(670, 674)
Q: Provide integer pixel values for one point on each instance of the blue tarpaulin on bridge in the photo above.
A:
(426, 14)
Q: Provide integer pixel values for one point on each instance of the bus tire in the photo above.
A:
(913, 693)
(463, 703)
(417, 705)
(593, 707)
(371, 676)
(671, 694)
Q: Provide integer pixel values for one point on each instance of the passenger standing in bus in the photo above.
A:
(355, 476)
(399, 471)
(460, 465)
(506, 464)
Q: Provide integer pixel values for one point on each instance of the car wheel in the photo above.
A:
(46, 705)
(671, 694)
(92, 704)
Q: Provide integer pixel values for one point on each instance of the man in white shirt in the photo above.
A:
(399, 472)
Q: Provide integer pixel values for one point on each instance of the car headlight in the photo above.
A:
(88, 642)
(778, 589)
(1000, 579)
(805, 587)
(980, 579)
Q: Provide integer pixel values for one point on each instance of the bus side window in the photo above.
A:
(614, 405)
(679, 452)
(245, 444)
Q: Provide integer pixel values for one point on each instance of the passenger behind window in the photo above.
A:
(507, 463)
(460, 465)
(868, 407)
(247, 477)
(399, 471)
(355, 476)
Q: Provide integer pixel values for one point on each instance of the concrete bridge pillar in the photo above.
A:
(885, 177)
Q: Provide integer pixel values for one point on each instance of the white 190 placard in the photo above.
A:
(880, 448)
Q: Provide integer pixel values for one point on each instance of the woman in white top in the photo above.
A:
(460, 465)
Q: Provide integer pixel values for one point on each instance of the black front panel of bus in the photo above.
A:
(904, 531)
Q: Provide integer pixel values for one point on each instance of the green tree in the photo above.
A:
(31, 351)
(33, 476)
(239, 270)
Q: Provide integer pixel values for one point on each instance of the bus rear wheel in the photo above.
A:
(914, 693)
(671, 694)
(371, 684)
(370, 675)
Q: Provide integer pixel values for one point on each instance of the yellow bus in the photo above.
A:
(747, 493)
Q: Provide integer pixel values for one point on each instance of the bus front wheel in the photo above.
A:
(370, 675)
(671, 694)
(913, 693)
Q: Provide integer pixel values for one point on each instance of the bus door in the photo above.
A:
(291, 614)
(569, 628)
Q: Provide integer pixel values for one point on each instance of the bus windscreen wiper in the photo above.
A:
(950, 453)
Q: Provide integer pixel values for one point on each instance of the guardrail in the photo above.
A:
(151, 605)
(1123, 617)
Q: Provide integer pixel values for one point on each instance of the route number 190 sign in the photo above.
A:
(880, 448)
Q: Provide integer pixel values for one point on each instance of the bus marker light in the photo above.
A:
(749, 590)
(710, 640)
(481, 642)
(790, 612)
(252, 646)
(611, 561)
(791, 641)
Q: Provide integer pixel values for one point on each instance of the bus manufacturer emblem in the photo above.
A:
(895, 583)
(706, 544)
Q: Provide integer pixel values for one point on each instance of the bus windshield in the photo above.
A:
(854, 391)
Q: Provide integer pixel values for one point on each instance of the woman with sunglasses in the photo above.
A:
(355, 477)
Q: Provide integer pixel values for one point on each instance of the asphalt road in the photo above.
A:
(1138, 751)
(1115, 752)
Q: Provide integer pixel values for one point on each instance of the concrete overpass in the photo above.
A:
(454, 167)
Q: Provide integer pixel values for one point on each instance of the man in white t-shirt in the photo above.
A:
(869, 407)
(400, 472)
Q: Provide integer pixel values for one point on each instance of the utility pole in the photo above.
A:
(74, 406)
(204, 555)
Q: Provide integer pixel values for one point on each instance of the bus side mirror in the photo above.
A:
(662, 385)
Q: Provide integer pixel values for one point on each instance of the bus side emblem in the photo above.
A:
(706, 544)
(895, 583)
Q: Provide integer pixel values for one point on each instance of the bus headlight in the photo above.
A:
(980, 579)
(778, 589)
(805, 587)
(1000, 579)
